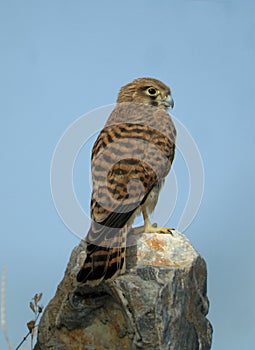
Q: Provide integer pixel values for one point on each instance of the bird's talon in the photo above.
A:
(165, 230)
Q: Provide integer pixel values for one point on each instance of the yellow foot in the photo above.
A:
(153, 229)
(161, 230)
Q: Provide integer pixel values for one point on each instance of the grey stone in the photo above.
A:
(159, 303)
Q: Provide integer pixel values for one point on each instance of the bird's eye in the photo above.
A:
(152, 91)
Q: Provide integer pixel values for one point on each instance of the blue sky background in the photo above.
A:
(61, 59)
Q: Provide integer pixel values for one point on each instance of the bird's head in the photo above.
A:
(148, 91)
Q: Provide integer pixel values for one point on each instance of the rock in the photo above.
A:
(159, 303)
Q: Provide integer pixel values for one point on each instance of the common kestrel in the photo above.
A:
(130, 160)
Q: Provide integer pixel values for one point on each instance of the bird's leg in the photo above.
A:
(148, 227)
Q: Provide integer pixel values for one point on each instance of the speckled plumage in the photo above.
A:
(130, 160)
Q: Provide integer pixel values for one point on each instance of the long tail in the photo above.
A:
(104, 261)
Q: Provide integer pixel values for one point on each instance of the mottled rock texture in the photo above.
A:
(159, 303)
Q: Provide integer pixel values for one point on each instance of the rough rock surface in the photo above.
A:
(159, 303)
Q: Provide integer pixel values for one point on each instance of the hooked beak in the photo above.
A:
(168, 101)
